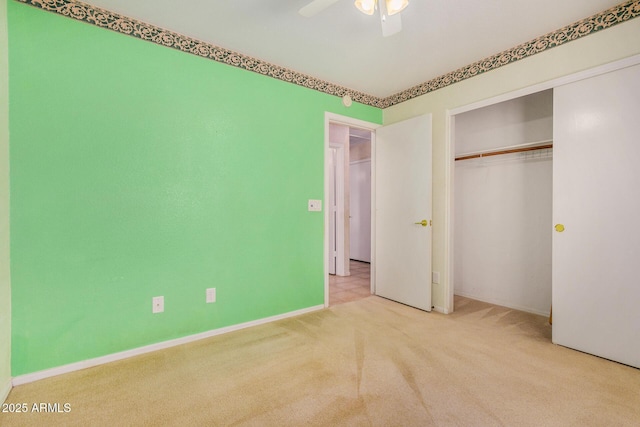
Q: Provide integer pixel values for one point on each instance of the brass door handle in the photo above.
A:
(423, 223)
(559, 228)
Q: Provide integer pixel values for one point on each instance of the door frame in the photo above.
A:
(336, 176)
(350, 122)
(450, 153)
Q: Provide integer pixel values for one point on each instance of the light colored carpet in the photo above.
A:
(368, 362)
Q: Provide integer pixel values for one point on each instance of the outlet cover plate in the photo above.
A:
(315, 205)
(158, 304)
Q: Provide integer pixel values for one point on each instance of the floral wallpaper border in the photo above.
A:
(608, 18)
(103, 18)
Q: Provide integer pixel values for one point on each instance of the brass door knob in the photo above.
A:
(559, 228)
(423, 223)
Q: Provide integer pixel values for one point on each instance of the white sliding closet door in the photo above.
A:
(596, 197)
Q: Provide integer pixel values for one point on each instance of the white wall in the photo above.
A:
(599, 48)
(5, 278)
(522, 120)
(503, 231)
(503, 205)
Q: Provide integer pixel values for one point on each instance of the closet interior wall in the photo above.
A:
(503, 204)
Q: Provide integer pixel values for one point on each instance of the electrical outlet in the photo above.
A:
(158, 304)
(315, 205)
(211, 295)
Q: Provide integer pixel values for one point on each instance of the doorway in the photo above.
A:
(400, 268)
(348, 141)
(349, 210)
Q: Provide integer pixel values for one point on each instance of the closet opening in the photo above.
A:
(502, 203)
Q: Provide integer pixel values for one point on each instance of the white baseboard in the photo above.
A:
(35, 376)
(442, 310)
(4, 391)
(503, 304)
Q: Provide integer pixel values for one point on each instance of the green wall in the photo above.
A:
(137, 171)
(5, 280)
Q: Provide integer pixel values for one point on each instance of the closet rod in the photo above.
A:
(497, 153)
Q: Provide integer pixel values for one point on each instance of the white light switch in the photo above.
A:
(158, 305)
(435, 277)
(315, 205)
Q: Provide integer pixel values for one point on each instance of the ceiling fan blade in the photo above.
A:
(316, 6)
(390, 24)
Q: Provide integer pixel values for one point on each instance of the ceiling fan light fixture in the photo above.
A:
(366, 6)
(395, 6)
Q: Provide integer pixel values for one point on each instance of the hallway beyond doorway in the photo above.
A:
(350, 288)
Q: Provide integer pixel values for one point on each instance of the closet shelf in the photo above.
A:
(505, 151)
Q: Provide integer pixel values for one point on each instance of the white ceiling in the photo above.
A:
(343, 46)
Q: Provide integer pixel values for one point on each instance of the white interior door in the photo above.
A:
(403, 198)
(360, 200)
(596, 289)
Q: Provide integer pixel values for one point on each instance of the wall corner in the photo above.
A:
(5, 277)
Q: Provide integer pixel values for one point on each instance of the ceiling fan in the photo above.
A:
(389, 17)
